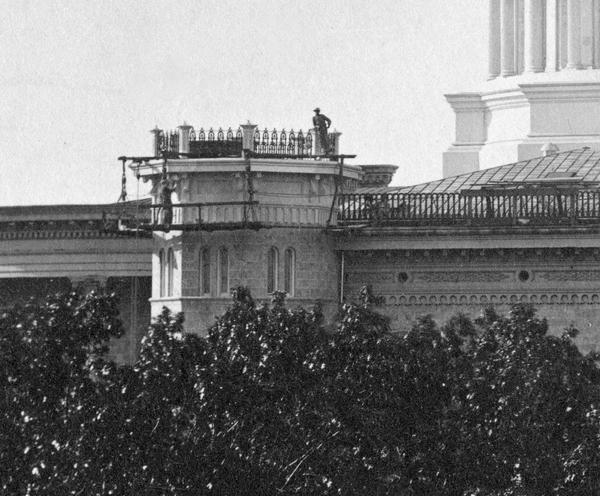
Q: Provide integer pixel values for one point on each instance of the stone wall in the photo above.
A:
(564, 284)
(133, 294)
(316, 270)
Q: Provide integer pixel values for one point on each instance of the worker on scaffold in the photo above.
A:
(321, 124)
(166, 210)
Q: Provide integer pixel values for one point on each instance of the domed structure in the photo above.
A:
(544, 85)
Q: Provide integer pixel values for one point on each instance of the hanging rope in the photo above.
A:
(134, 294)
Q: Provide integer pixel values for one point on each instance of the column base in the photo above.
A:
(532, 70)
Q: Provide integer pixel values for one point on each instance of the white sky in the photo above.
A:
(83, 81)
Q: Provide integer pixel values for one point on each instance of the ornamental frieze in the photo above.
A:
(491, 299)
(17, 235)
(463, 276)
(370, 277)
(571, 275)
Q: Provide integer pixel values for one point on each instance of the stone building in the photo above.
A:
(51, 248)
(516, 217)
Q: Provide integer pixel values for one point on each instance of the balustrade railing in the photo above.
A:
(267, 143)
(208, 144)
(506, 208)
(167, 141)
(283, 144)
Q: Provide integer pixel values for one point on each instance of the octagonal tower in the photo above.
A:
(249, 208)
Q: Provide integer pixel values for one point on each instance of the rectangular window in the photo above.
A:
(205, 271)
(289, 270)
(223, 271)
(272, 264)
(170, 271)
(161, 268)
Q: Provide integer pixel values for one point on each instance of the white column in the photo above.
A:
(507, 37)
(533, 36)
(494, 39)
(596, 33)
(519, 37)
(562, 34)
(573, 34)
(551, 35)
(587, 33)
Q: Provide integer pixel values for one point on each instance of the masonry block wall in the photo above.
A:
(249, 254)
(563, 284)
(133, 294)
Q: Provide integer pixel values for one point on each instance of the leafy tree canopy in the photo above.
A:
(273, 402)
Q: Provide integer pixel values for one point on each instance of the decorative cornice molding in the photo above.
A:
(453, 299)
(463, 276)
(51, 234)
(449, 255)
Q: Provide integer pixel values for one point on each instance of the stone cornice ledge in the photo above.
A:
(561, 91)
(454, 237)
(224, 165)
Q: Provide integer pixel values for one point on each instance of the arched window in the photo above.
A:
(289, 271)
(204, 265)
(223, 276)
(170, 271)
(161, 270)
(272, 265)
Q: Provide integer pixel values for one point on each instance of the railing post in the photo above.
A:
(184, 137)
(317, 149)
(248, 131)
(335, 141)
(469, 210)
(156, 141)
(514, 209)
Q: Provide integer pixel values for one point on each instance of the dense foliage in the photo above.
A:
(272, 402)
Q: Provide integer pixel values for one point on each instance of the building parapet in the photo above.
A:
(201, 143)
(500, 207)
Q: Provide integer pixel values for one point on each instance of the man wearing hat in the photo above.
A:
(321, 123)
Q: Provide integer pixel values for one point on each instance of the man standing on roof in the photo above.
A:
(321, 124)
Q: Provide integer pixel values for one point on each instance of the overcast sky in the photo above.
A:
(82, 81)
